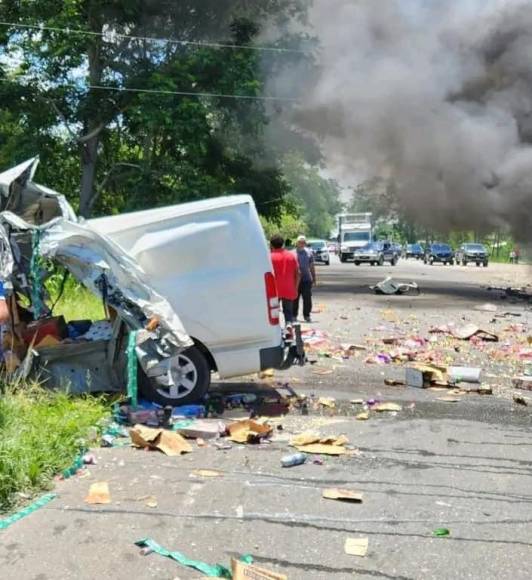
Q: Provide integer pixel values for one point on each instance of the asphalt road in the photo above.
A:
(464, 466)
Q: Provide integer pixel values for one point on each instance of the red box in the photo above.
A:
(36, 331)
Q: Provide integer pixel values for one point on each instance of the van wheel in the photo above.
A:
(464, 263)
(394, 261)
(191, 376)
(357, 263)
(381, 261)
(485, 264)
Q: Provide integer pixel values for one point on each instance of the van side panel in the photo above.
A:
(210, 265)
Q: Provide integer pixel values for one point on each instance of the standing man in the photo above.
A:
(307, 271)
(286, 273)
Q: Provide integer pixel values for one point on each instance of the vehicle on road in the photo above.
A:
(414, 251)
(332, 247)
(354, 231)
(476, 253)
(183, 295)
(320, 251)
(376, 254)
(439, 253)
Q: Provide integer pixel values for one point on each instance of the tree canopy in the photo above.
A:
(133, 104)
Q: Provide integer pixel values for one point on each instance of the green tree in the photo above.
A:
(314, 198)
(136, 149)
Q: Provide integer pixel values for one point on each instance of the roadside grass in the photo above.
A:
(78, 303)
(41, 433)
(75, 301)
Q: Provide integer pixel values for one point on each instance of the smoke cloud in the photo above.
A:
(436, 95)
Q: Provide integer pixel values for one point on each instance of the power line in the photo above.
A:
(111, 35)
(165, 92)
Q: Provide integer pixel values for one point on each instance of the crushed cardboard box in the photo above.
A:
(168, 442)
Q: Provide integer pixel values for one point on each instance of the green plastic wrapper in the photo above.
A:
(441, 532)
(215, 571)
(37, 504)
(132, 386)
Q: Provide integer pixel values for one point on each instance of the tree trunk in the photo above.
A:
(90, 141)
(89, 154)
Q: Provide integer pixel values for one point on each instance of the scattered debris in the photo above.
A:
(206, 473)
(383, 407)
(201, 429)
(342, 495)
(390, 286)
(329, 402)
(151, 502)
(312, 443)
(98, 493)
(524, 382)
(449, 399)
(26, 511)
(487, 307)
(394, 383)
(248, 431)
(520, 400)
(364, 416)
(421, 375)
(441, 532)
(168, 442)
(466, 374)
(214, 571)
(243, 571)
(293, 460)
(356, 546)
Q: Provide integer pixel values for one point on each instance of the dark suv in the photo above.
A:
(376, 253)
(414, 251)
(472, 253)
(442, 253)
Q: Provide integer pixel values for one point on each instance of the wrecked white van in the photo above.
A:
(193, 281)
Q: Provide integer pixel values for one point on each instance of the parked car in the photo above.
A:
(476, 253)
(439, 253)
(414, 251)
(376, 253)
(332, 247)
(320, 251)
(184, 296)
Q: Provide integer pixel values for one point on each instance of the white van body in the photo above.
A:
(209, 260)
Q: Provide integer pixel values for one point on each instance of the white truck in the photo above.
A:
(355, 230)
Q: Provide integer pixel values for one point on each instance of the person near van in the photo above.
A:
(286, 273)
(307, 278)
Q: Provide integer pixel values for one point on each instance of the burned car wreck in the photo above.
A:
(38, 224)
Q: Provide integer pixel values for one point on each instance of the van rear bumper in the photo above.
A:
(271, 358)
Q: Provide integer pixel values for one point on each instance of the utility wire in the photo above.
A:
(163, 92)
(112, 35)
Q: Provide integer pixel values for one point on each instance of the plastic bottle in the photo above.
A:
(293, 459)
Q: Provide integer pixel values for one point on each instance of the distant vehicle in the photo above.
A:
(476, 253)
(320, 251)
(414, 251)
(354, 231)
(376, 253)
(442, 253)
(332, 247)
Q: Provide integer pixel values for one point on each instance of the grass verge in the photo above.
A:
(41, 433)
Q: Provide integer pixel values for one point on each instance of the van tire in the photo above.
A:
(193, 356)
(356, 263)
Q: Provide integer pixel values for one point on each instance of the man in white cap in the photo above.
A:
(307, 271)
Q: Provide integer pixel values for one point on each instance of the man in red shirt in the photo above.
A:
(286, 270)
